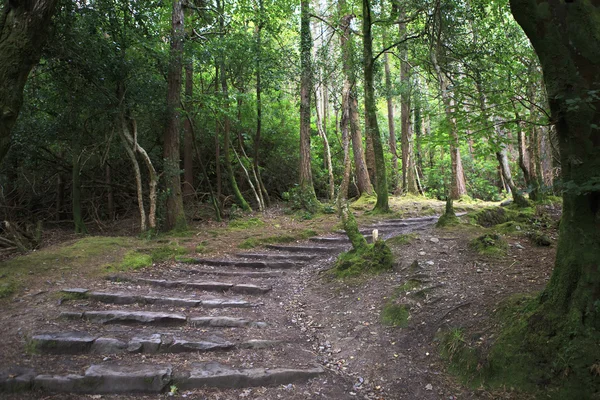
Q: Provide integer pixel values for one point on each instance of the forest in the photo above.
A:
(151, 118)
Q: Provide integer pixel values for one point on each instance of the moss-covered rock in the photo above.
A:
(376, 257)
(539, 238)
(493, 216)
(490, 244)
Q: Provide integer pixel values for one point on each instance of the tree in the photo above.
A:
(23, 29)
(175, 218)
(566, 322)
(372, 128)
(307, 190)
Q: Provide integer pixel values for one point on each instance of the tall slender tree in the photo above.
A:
(307, 190)
(175, 215)
(372, 127)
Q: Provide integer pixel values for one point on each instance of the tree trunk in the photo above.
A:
(258, 32)
(560, 33)
(188, 146)
(23, 30)
(130, 150)
(110, 200)
(371, 112)
(409, 183)
(391, 123)
(327, 150)
(175, 215)
(307, 190)
(76, 191)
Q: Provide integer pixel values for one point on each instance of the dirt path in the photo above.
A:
(266, 325)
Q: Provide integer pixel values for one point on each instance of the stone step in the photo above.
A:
(342, 240)
(245, 274)
(132, 298)
(207, 286)
(245, 263)
(278, 256)
(112, 378)
(308, 249)
(81, 342)
(159, 319)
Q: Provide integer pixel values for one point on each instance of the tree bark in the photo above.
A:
(409, 183)
(24, 27)
(258, 33)
(175, 215)
(391, 122)
(188, 145)
(306, 182)
(327, 149)
(372, 128)
(561, 34)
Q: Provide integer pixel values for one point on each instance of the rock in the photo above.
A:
(422, 253)
(182, 346)
(434, 240)
(16, 379)
(228, 322)
(429, 386)
(105, 378)
(213, 374)
(128, 317)
(145, 344)
(518, 246)
(430, 263)
(63, 342)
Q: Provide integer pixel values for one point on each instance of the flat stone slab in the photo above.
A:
(226, 322)
(207, 286)
(63, 342)
(108, 378)
(126, 298)
(213, 374)
(16, 379)
(247, 274)
(245, 263)
(278, 256)
(128, 317)
(80, 343)
(332, 240)
(307, 249)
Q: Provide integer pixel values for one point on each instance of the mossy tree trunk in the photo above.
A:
(372, 128)
(175, 218)
(307, 188)
(23, 31)
(565, 36)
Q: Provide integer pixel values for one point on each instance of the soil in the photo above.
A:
(321, 320)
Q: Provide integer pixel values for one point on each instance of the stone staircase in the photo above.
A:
(207, 323)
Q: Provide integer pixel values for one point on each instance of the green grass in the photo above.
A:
(243, 224)
(253, 242)
(92, 252)
(134, 261)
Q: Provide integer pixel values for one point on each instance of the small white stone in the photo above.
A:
(429, 386)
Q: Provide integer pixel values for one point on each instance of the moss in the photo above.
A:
(539, 239)
(395, 315)
(463, 360)
(489, 244)
(493, 216)
(376, 257)
(243, 224)
(449, 217)
(409, 285)
(428, 211)
(402, 239)
(202, 248)
(364, 202)
(94, 252)
(509, 227)
(134, 260)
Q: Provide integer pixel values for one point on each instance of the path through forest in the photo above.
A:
(271, 324)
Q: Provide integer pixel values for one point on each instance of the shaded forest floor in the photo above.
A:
(379, 336)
